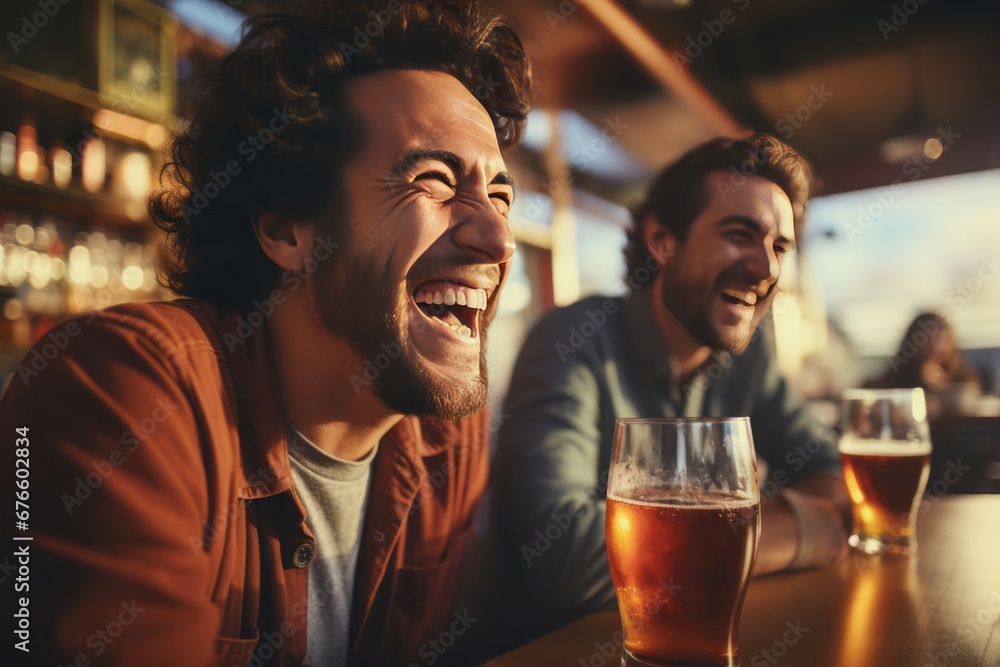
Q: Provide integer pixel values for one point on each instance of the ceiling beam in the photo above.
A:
(661, 65)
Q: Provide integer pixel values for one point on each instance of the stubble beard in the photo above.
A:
(358, 303)
(692, 306)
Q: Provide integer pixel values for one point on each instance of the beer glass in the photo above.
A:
(683, 518)
(886, 452)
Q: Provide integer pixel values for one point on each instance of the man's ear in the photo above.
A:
(661, 243)
(286, 242)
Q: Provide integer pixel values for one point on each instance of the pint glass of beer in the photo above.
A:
(886, 451)
(683, 518)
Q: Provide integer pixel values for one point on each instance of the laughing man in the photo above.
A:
(704, 260)
(285, 463)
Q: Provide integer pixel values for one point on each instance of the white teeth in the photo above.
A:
(459, 295)
(748, 298)
(461, 330)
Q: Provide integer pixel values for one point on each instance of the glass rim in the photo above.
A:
(680, 420)
(875, 394)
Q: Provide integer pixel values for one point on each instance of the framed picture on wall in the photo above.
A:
(137, 52)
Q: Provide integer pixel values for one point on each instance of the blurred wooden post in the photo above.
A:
(565, 264)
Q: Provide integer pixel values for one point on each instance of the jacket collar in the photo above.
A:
(264, 455)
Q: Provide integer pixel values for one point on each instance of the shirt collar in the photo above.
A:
(658, 364)
(655, 358)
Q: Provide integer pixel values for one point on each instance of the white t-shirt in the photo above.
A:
(335, 495)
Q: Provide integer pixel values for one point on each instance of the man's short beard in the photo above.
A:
(357, 303)
(691, 310)
(700, 327)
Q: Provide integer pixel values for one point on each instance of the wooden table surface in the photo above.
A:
(939, 609)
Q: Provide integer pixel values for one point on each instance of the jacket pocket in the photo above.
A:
(235, 652)
(428, 598)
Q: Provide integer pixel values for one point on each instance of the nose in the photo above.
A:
(764, 264)
(482, 229)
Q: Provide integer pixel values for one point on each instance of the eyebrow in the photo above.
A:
(454, 162)
(754, 225)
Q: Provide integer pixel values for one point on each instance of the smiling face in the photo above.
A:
(427, 241)
(719, 281)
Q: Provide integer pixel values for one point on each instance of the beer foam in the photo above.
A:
(665, 498)
(859, 447)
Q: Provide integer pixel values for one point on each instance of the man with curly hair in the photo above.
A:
(283, 466)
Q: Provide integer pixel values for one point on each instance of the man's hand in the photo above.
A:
(801, 529)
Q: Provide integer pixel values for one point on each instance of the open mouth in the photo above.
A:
(740, 297)
(453, 305)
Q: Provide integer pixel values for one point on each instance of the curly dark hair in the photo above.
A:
(679, 195)
(271, 129)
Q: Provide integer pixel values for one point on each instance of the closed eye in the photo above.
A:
(504, 197)
(435, 176)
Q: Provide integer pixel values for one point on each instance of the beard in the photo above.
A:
(693, 305)
(357, 302)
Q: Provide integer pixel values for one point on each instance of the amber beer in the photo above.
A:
(886, 479)
(681, 572)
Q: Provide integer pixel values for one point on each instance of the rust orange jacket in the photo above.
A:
(166, 529)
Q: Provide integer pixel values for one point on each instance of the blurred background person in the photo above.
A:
(928, 357)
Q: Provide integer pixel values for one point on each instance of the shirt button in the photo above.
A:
(303, 555)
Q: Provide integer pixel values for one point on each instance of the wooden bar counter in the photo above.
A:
(939, 609)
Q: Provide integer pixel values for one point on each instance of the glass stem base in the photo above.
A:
(629, 660)
(878, 545)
